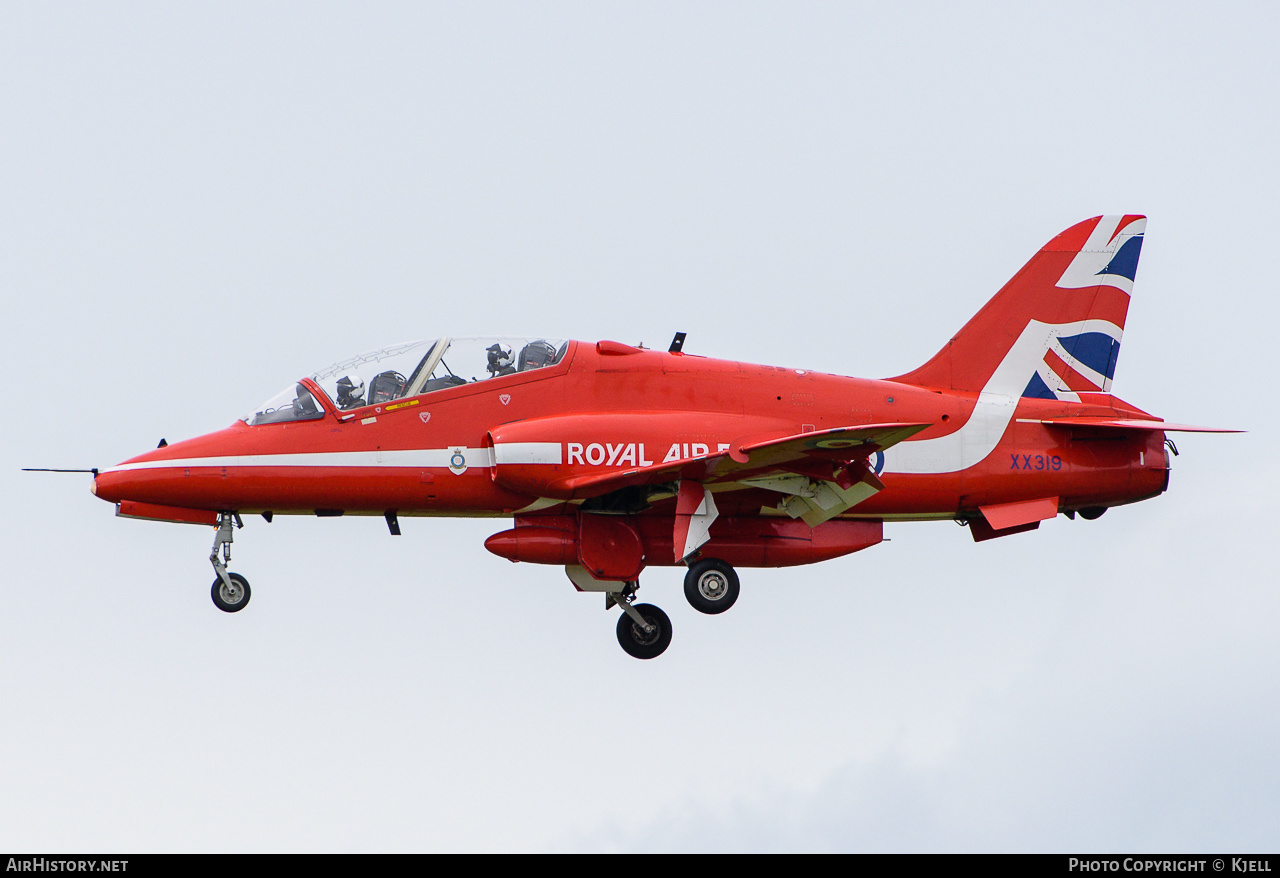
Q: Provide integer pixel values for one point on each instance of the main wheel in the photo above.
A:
(639, 643)
(1093, 513)
(234, 599)
(711, 586)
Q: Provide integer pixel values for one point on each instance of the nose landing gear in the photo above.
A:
(231, 596)
(644, 631)
(230, 590)
(646, 641)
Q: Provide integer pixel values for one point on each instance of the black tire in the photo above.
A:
(224, 600)
(635, 642)
(1093, 513)
(711, 586)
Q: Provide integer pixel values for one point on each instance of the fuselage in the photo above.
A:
(510, 444)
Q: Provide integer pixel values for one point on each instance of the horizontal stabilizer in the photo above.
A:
(1126, 424)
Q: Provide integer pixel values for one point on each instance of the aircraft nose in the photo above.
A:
(134, 479)
(179, 474)
(110, 486)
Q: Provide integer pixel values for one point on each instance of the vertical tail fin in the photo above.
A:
(1053, 331)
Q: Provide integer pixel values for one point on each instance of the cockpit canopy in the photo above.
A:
(410, 369)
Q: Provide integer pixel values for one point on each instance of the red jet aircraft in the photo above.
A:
(612, 458)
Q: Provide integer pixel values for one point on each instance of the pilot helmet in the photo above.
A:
(536, 354)
(499, 358)
(350, 391)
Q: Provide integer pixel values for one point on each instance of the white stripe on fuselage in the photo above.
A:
(423, 457)
(528, 452)
(507, 453)
(994, 409)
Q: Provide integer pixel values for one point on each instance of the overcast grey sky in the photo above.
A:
(201, 202)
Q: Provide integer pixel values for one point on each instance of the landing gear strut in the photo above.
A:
(644, 631)
(230, 590)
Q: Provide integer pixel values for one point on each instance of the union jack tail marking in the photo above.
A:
(1054, 330)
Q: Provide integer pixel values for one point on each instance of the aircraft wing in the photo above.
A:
(840, 443)
(818, 475)
(818, 452)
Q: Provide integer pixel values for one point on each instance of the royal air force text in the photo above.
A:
(633, 453)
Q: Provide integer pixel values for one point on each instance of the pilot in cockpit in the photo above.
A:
(500, 360)
(350, 392)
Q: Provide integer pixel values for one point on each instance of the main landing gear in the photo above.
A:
(711, 586)
(230, 590)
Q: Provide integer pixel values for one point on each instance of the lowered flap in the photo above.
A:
(821, 498)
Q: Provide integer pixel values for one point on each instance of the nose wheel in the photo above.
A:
(230, 591)
(647, 640)
(231, 596)
(644, 631)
